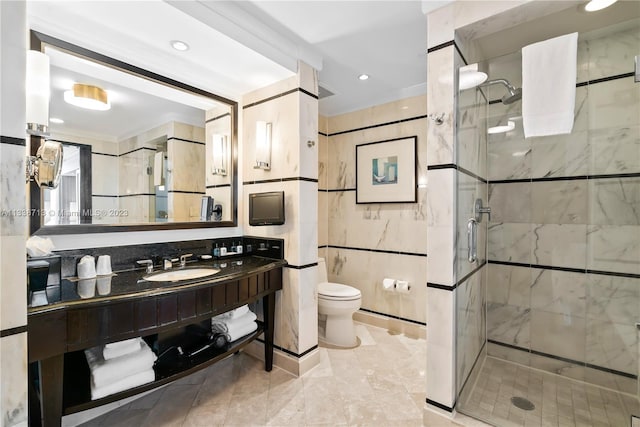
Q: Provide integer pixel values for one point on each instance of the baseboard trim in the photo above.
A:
(295, 365)
(396, 325)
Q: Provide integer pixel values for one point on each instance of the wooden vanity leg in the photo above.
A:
(269, 305)
(51, 378)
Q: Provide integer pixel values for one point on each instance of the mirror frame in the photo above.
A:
(38, 42)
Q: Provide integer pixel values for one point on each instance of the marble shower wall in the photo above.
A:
(570, 203)
(294, 170)
(368, 242)
(13, 221)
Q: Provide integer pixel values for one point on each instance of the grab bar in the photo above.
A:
(472, 239)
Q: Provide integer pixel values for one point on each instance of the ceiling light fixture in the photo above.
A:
(363, 76)
(56, 120)
(179, 45)
(88, 96)
(595, 5)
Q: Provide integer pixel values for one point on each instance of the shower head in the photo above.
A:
(513, 95)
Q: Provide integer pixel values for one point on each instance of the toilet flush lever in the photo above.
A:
(478, 210)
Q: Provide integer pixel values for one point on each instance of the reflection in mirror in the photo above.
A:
(143, 157)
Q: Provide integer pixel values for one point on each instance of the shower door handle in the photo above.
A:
(472, 239)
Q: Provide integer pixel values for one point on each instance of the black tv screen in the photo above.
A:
(266, 208)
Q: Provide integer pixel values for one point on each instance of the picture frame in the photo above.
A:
(386, 171)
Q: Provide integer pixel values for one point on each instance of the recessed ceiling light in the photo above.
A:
(179, 45)
(56, 120)
(363, 76)
(595, 5)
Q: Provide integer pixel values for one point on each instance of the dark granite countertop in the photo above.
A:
(130, 284)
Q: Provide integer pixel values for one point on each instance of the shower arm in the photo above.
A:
(503, 82)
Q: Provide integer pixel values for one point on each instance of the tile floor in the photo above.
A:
(558, 401)
(380, 383)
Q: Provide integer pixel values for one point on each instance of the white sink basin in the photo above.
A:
(182, 274)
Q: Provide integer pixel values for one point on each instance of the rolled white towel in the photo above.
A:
(126, 383)
(112, 352)
(225, 325)
(241, 331)
(233, 314)
(105, 372)
(122, 343)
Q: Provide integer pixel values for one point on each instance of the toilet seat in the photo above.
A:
(337, 292)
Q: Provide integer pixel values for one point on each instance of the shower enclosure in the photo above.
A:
(547, 314)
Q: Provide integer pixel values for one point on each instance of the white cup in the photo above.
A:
(87, 288)
(87, 267)
(104, 265)
(104, 285)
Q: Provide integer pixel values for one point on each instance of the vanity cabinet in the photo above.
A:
(57, 337)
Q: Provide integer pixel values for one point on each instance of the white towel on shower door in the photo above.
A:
(549, 86)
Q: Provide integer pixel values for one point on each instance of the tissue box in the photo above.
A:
(53, 276)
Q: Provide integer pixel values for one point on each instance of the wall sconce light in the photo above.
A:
(219, 155)
(37, 93)
(263, 145)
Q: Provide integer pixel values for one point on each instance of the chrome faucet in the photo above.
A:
(148, 263)
(183, 259)
(167, 263)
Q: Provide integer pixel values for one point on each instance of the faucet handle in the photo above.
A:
(148, 263)
(183, 259)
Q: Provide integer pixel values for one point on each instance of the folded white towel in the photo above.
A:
(225, 325)
(104, 372)
(549, 86)
(241, 331)
(131, 381)
(123, 343)
(130, 346)
(233, 314)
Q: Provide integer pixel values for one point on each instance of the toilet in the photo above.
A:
(336, 305)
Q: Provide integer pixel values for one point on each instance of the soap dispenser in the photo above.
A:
(216, 251)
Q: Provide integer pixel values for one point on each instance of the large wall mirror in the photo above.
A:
(141, 151)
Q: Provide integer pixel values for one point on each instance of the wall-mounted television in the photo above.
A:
(266, 208)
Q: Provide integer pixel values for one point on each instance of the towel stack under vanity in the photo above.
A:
(235, 324)
(120, 366)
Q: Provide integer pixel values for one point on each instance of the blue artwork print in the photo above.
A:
(384, 170)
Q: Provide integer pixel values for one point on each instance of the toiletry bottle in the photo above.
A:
(239, 248)
(233, 246)
(216, 251)
(223, 250)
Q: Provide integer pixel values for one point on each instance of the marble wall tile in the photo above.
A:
(101, 207)
(308, 314)
(323, 218)
(509, 324)
(613, 53)
(508, 159)
(189, 132)
(561, 155)
(288, 310)
(472, 132)
(187, 166)
(471, 323)
(440, 86)
(323, 161)
(510, 242)
(614, 201)
(613, 299)
(614, 104)
(441, 197)
(441, 251)
(13, 304)
(511, 285)
(406, 108)
(396, 227)
(132, 176)
(13, 221)
(510, 354)
(511, 202)
(562, 245)
(308, 134)
(612, 345)
(138, 209)
(271, 90)
(611, 381)
(13, 370)
(560, 367)
(13, 27)
(614, 248)
(558, 334)
(508, 67)
(183, 207)
(441, 346)
(103, 181)
(468, 190)
(365, 271)
(615, 150)
(559, 292)
(559, 202)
